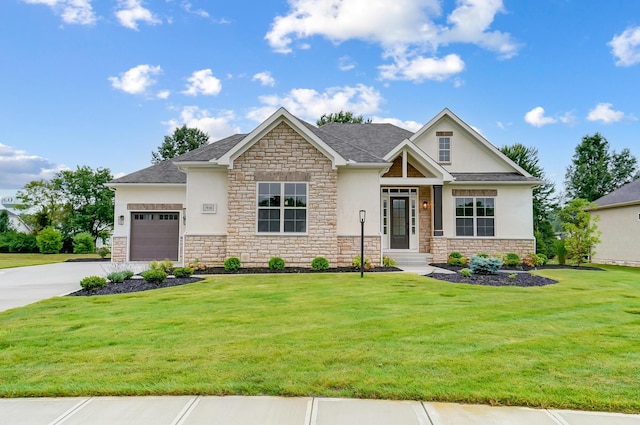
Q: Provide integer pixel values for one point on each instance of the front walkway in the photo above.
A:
(239, 410)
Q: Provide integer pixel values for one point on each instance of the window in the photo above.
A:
(282, 207)
(444, 146)
(475, 217)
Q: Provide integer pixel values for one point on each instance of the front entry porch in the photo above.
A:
(406, 220)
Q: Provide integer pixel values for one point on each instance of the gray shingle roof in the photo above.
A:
(627, 193)
(493, 177)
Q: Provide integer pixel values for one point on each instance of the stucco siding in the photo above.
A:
(358, 189)
(206, 201)
(620, 238)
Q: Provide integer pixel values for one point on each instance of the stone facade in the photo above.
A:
(442, 247)
(118, 249)
(279, 153)
(349, 248)
(424, 216)
(211, 250)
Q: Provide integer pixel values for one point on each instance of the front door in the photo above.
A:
(399, 223)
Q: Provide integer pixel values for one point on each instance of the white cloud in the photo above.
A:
(203, 82)
(188, 7)
(17, 168)
(345, 63)
(536, 117)
(137, 79)
(217, 127)
(71, 11)
(310, 105)
(164, 94)
(407, 125)
(421, 68)
(568, 118)
(626, 47)
(405, 30)
(265, 79)
(604, 112)
(131, 12)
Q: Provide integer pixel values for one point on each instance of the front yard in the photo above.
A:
(393, 336)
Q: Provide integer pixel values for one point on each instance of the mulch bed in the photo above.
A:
(266, 270)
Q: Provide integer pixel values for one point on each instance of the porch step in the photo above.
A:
(409, 259)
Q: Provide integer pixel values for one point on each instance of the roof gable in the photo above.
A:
(423, 159)
(627, 194)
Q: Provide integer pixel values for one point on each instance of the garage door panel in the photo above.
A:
(154, 236)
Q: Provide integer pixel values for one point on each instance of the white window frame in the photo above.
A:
(474, 217)
(442, 151)
(282, 208)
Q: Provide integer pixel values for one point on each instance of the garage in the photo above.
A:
(154, 236)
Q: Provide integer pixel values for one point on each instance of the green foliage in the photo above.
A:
(49, 241)
(164, 265)
(465, 272)
(481, 265)
(561, 251)
(182, 272)
(4, 221)
(154, 276)
(456, 259)
(83, 243)
(581, 230)
(388, 262)
(276, 263)
(183, 140)
(513, 275)
(483, 255)
(512, 259)
(232, 264)
(356, 262)
(117, 277)
(197, 264)
(541, 260)
(103, 251)
(342, 117)
(534, 260)
(93, 282)
(13, 241)
(595, 171)
(320, 263)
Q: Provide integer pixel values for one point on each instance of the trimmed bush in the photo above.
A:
(561, 251)
(103, 251)
(12, 241)
(276, 263)
(232, 264)
(164, 265)
(154, 276)
(388, 262)
(197, 264)
(320, 263)
(49, 241)
(117, 277)
(356, 262)
(541, 260)
(456, 259)
(83, 243)
(481, 265)
(512, 260)
(182, 272)
(93, 282)
(465, 272)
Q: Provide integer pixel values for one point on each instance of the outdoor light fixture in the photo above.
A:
(363, 216)
(425, 205)
(121, 220)
(184, 216)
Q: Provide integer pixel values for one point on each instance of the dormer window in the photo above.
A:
(444, 146)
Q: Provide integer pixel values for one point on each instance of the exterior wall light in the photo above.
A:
(121, 220)
(425, 205)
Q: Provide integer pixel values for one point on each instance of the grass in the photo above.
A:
(21, 260)
(390, 336)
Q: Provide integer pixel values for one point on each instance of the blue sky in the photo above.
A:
(100, 83)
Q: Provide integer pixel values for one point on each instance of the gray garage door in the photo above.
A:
(154, 236)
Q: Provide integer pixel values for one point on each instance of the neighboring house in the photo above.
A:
(619, 223)
(293, 190)
(16, 223)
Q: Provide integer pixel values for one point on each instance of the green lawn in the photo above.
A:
(393, 336)
(21, 260)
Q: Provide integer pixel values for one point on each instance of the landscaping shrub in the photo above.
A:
(128, 274)
(320, 263)
(483, 255)
(356, 262)
(541, 260)
(232, 264)
(117, 277)
(561, 251)
(465, 272)
(197, 264)
(13, 241)
(512, 260)
(388, 262)
(49, 241)
(154, 276)
(529, 260)
(103, 251)
(83, 243)
(182, 272)
(164, 265)
(456, 259)
(481, 265)
(93, 282)
(276, 263)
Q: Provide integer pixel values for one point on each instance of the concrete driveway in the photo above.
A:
(21, 286)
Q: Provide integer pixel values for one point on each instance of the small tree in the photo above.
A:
(83, 243)
(183, 140)
(581, 230)
(49, 241)
(4, 221)
(342, 117)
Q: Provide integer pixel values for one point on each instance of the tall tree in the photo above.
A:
(342, 117)
(595, 171)
(581, 230)
(5, 225)
(544, 202)
(183, 140)
(42, 200)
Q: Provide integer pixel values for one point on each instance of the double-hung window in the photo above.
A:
(475, 216)
(282, 207)
(444, 146)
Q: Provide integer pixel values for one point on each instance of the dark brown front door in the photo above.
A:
(399, 223)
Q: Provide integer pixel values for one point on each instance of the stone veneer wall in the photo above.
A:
(442, 247)
(424, 216)
(349, 248)
(118, 249)
(211, 250)
(627, 263)
(280, 153)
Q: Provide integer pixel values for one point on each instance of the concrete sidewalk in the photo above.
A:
(238, 410)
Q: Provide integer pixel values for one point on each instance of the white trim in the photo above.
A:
(410, 181)
(423, 159)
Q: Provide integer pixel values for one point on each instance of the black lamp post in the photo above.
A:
(363, 216)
